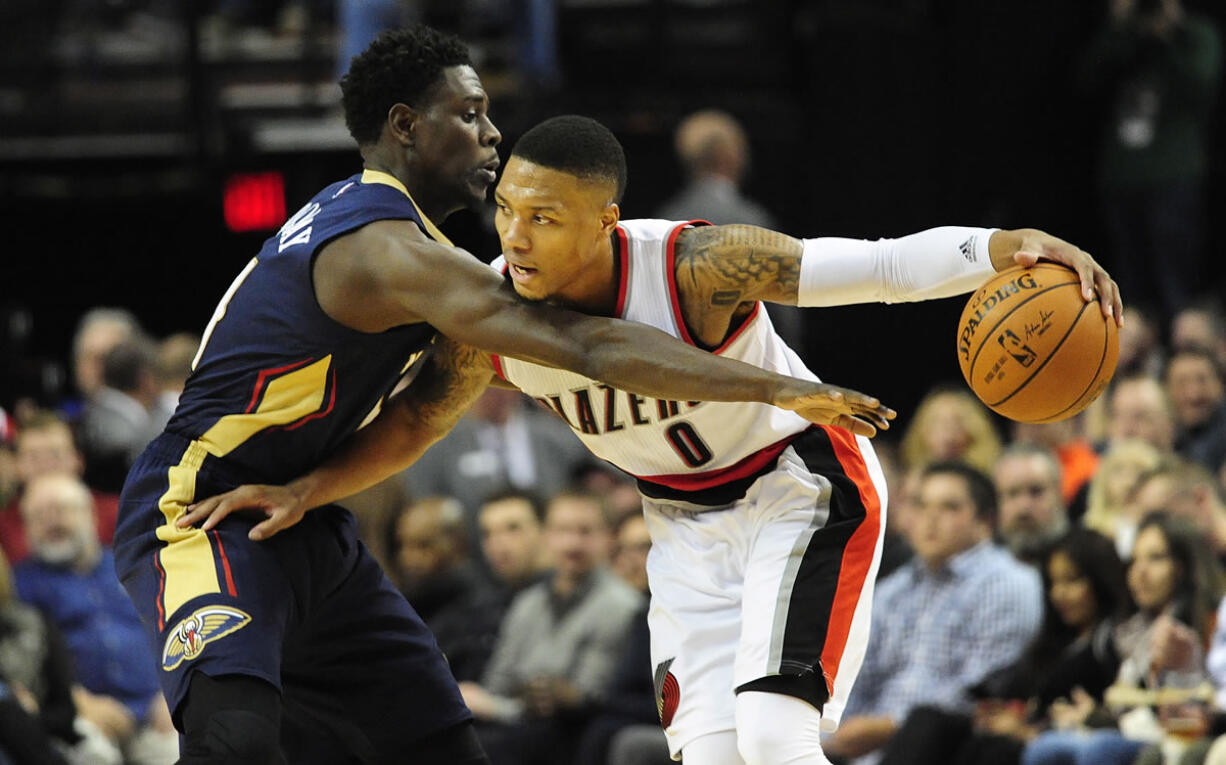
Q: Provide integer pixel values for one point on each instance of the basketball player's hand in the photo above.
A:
(281, 507)
(831, 405)
(1095, 281)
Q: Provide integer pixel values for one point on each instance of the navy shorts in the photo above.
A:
(309, 610)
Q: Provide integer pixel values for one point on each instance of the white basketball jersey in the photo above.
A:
(685, 445)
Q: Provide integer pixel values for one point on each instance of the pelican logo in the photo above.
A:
(189, 637)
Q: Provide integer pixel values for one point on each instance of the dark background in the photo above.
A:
(867, 118)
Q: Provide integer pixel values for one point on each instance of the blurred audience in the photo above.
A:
(1141, 348)
(900, 490)
(503, 442)
(1110, 509)
(1177, 586)
(175, 355)
(512, 538)
(1196, 384)
(98, 331)
(70, 577)
(1078, 460)
(558, 644)
(36, 710)
(1032, 512)
(960, 611)
(123, 415)
(1074, 653)
(1138, 407)
(45, 446)
(432, 564)
(951, 424)
(1187, 490)
(1201, 325)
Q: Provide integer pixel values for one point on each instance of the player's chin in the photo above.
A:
(478, 191)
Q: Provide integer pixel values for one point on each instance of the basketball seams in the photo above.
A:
(1080, 402)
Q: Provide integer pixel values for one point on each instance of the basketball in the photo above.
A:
(1031, 348)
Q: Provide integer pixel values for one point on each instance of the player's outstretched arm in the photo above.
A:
(451, 378)
(388, 274)
(720, 268)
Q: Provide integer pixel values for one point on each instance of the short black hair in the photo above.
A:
(577, 145)
(981, 489)
(399, 66)
(1195, 352)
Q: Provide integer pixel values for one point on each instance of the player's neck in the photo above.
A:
(395, 164)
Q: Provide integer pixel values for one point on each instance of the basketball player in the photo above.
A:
(303, 641)
(766, 529)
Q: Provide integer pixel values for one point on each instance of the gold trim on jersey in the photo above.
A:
(187, 558)
(378, 176)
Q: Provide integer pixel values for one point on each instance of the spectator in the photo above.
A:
(900, 488)
(36, 709)
(1109, 504)
(120, 420)
(1187, 490)
(1078, 460)
(1087, 598)
(45, 446)
(501, 443)
(951, 424)
(1156, 67)
(70, 577)
(1196, 385)
(98, 331)
(713, 151)
(1200, 325)
(1032, 512)
(625, 729)
(1177, 586)
(1138, 407)
(511, 540)
(432, 565)
(558, 644)
(960, 611)
(175, 355)
(631, 545)
(1141, 351)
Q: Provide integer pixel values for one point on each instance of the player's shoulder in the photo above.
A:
(659, 229)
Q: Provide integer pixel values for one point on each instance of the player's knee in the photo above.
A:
(775, 729)
(233, 736)
(231, 719)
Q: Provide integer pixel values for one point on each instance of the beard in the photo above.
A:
(61, 553)
(1030, 542)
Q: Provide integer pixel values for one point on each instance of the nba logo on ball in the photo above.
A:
(1031, 348)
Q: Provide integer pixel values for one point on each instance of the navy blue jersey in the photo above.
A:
(278, 384)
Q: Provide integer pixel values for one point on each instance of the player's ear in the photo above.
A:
(401, 121)
(609, 217)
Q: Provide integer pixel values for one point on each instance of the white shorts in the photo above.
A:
(773, 590)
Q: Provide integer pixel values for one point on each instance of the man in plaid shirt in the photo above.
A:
(961, 609)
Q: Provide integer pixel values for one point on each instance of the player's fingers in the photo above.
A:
(855, 425)
(196, 512)
(266, 529)
(223, 509)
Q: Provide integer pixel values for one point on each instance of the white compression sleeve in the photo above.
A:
(937, 263)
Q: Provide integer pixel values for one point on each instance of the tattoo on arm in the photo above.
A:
(727, 265)
(452, 378)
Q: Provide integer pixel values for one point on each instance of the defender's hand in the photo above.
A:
(1037, 246)
(282, 507)
(831, 405)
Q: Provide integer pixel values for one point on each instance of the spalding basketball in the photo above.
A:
(1032, 348)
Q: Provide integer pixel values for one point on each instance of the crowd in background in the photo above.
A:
(1047, 593)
